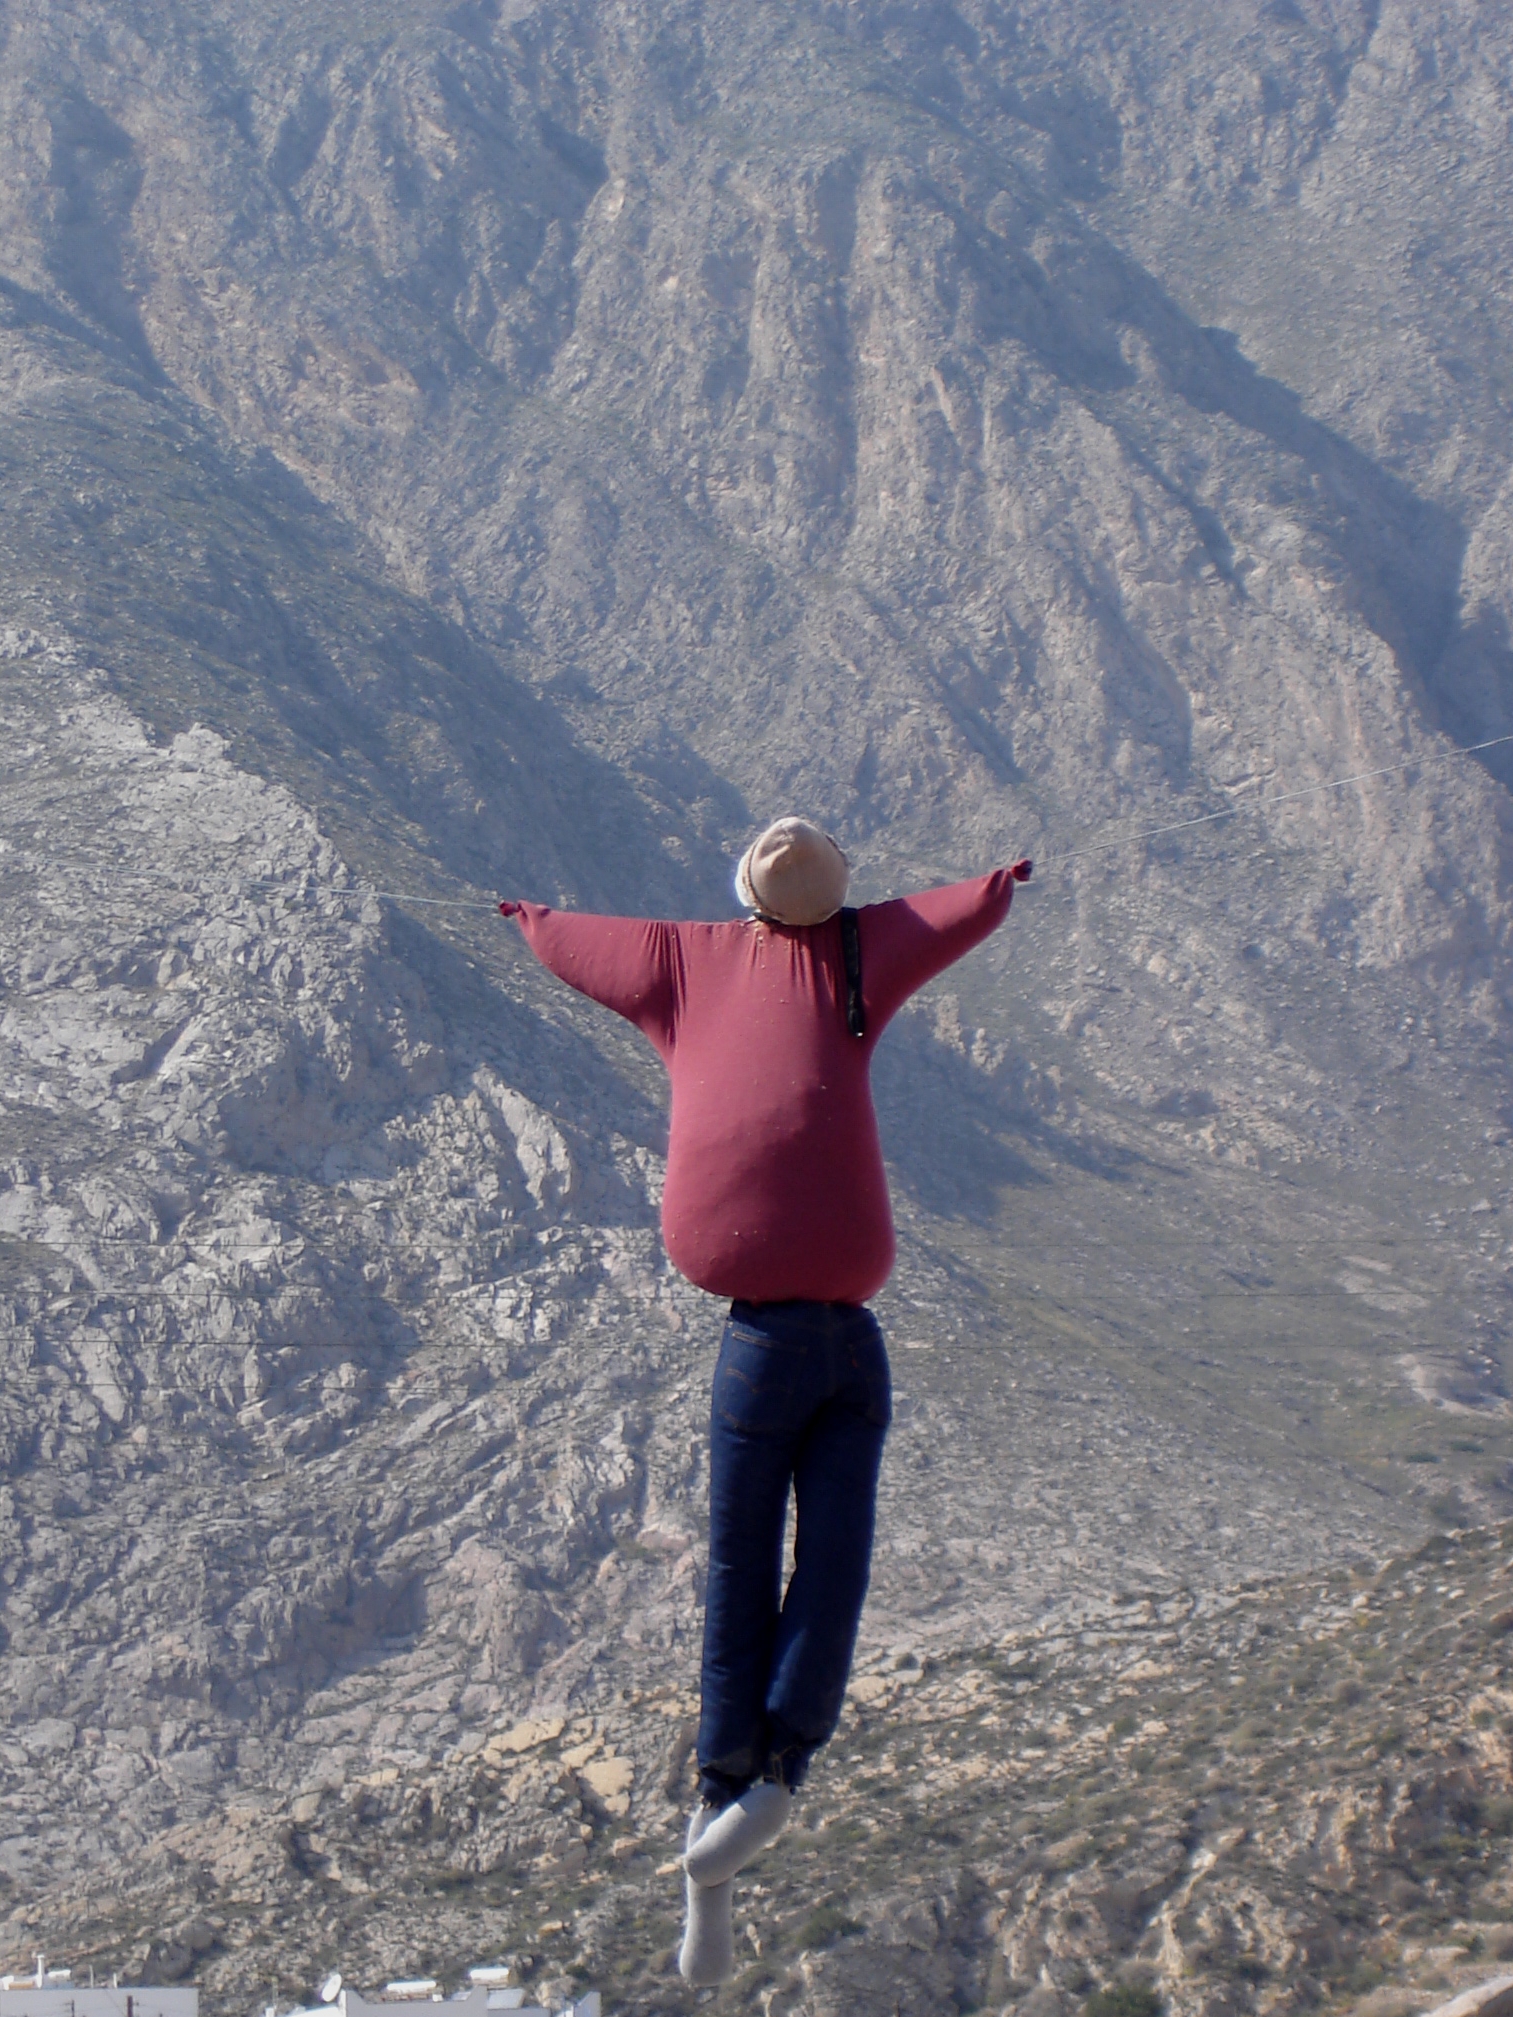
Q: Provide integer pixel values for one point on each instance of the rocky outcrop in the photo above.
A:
(1255, 1799)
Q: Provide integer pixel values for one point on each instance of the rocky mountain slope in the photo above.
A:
(451, 451)
(1284, 1797)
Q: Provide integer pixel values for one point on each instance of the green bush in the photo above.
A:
(832, 1922)
(1123, 1999)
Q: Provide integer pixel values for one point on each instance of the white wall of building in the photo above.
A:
(25, 1999)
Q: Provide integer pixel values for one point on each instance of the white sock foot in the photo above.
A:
(707, 1955)
(729, 1841)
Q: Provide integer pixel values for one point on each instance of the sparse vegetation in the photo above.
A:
(989, 1840)
(829, 1923)
(1123, 1999)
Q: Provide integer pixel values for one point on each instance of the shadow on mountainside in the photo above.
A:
(956, 1137)
(95, 174)
(1397, 554)
(220, 591)
(1073, 305)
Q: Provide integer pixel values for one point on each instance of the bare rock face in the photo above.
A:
(452, 452)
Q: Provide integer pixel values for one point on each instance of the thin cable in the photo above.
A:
(601, 1348)
(391, 895)
(365, 895)
(1277, 798)
(187, 1291)
(288, 1286)
(443, 902)
(1098, 847)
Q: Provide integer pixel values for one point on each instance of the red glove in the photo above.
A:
(508, 909)
(1021, 870)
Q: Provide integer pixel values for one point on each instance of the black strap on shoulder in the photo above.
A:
(851, 948)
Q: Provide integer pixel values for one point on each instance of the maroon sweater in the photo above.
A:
(775, 1187)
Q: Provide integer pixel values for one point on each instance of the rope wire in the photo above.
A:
(1051, 861)
(1097, 847)
(1275, 798)
(365, 895)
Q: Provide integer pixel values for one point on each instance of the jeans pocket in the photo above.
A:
(879, 1409)
(758, 1382)
(872, 1380)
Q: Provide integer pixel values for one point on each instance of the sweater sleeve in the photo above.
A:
(909, 941)
(627, 963)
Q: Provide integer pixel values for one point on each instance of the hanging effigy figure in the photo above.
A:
(776, 1199)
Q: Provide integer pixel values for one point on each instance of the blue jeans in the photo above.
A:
(802, 1399)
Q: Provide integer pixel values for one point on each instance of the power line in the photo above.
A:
(190, 1291)
(601, 1349)
(1276, 798)
(1144, 833)
(440, 902)
(366, 895)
